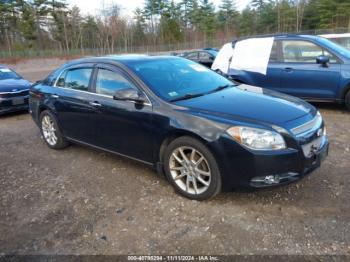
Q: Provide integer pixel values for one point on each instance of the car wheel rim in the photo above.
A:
(190, 170)
(49, 130)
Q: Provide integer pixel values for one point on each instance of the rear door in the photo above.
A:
(71, 99)
(301, 76)
(121, 126)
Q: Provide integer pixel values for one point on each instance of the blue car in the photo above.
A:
(203, 132)
(14, 91)
(309, 67)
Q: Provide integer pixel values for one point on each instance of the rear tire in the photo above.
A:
(347, 100)
(192, 169)
(51, 132)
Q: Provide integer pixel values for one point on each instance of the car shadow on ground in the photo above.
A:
(14, 114)
(333, 107)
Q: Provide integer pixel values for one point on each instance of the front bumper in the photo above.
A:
(13, 104)
(308, 165)
(241, 167)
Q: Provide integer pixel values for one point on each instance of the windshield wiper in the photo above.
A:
(186, 96)
(189, 96)
(219, 88)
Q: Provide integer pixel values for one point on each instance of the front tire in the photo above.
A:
(347, 100)
(192, 169)
(50, 131)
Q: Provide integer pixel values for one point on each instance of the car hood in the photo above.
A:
(8, 85)
(250, 103)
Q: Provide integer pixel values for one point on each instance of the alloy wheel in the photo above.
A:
(49, 130)
(190, 170)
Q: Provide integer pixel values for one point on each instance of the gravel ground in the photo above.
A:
(83, 201)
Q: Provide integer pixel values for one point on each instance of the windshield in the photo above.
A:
(6, 73)
(173, 78)
(336, 47)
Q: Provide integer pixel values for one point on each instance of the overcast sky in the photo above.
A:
(93, 6)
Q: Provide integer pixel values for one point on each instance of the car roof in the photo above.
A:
(280, 36)
(124, 59)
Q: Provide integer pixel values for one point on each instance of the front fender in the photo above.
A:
(242, 77)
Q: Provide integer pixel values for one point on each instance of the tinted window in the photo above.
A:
(108, 82)
(204, 56)
(303, 52)
(171, 78)
(77, 79)
(6, 73)
(192, 55)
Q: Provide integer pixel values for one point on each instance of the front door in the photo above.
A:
(301, 76)
(121, 126)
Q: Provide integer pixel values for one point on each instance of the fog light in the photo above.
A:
(269, 180)
(272, 179)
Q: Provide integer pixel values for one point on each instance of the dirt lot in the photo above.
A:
(82, 201)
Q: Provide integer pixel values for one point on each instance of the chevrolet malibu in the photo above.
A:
(204, 133)
(14, 91)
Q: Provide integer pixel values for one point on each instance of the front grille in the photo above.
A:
(312, 125)
(14, 94)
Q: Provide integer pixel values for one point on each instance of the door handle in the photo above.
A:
(96, 104)
(288, 69)
(55, 96)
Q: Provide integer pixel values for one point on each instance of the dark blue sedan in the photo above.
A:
(309, 67)
(190, 123)
(14, 91)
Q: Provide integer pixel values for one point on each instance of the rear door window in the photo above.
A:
(77, 79)
(204, 56)
(192, 56)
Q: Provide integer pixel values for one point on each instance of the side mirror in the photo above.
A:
(322, 60)
(129, 94)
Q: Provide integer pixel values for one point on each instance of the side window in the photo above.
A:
(77, 79)
(192, 55)
(108, 82)
(274, 53)
(303, 52)
(204, 56)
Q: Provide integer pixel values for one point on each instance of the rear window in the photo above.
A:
(77, 79)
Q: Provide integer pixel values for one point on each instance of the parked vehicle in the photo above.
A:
(340, 39)
(309, 67)
(205, 57)
(204, 132)
(211, 48)
(14, 91)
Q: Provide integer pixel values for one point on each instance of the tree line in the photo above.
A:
(39, 25)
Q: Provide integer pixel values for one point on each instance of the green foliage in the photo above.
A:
(51, 24)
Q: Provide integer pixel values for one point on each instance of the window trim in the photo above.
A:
(73, 67)
(117, 70)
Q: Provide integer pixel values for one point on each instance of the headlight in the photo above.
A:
(256, 138)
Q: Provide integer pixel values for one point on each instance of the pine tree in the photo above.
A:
(228, 16)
